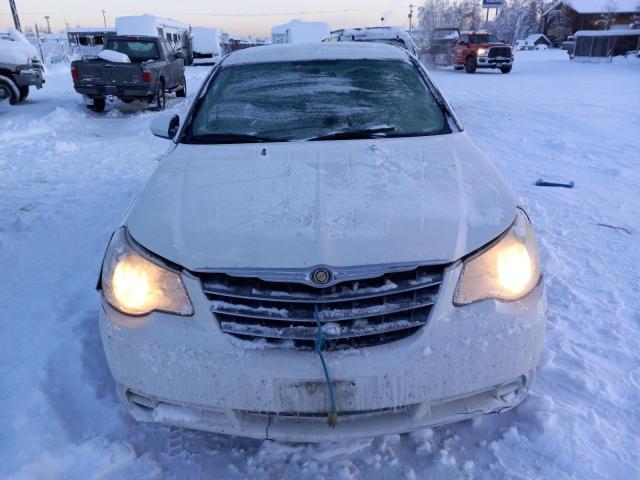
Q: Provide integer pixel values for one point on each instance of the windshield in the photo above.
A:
(450, 34)
(483, 38)
(309, 100)
(138, 51)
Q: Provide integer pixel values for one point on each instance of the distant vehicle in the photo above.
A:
(568, 45)
(391, 35)
(20, 67)
(178, 34)
(88, 41)
(298, 31)
(207, 48)
(441, 48)
(152, 70)
(482, 50)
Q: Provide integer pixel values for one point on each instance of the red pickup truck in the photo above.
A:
(475, 50)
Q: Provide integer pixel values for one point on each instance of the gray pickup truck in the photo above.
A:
(19, 68)
(155, 70)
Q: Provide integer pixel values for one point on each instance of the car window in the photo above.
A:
(304, 100)
(483, 38)
(137, 50)
(446, 34)
(168, 49)
(464, 38)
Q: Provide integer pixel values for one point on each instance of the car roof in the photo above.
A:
(297, 52)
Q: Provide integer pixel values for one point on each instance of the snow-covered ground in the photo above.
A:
(67, 175)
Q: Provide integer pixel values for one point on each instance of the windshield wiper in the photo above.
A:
(230, 138)
(355, 134)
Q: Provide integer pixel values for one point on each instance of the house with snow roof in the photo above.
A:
(565, 17)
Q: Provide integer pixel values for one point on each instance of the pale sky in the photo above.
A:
(244, 17)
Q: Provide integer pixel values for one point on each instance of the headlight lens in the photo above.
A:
(134, 285)
(508, 270)
(482, 52)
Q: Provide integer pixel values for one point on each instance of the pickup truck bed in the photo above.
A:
(161, 71)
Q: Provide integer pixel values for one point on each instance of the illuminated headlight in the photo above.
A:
(482, 52)
(135, 284)
(508, 270)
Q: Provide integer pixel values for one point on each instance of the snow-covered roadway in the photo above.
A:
(67, 175)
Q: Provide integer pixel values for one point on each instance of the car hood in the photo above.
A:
(338, 203)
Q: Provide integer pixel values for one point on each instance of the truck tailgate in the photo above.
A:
(98, 72)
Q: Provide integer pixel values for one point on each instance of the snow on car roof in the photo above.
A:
(315, 51)
(372, 32)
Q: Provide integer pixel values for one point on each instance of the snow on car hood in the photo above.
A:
(339, 203)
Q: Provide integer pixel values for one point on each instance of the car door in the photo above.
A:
(173, 76)
(461, 48)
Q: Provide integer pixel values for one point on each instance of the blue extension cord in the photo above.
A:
(332, 418)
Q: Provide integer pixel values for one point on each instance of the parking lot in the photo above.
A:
(69, 174)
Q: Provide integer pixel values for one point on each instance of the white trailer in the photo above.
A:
(298, 31)
(178, 34)
(207, 47)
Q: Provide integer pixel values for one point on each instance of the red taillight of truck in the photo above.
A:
(74, 74)
(146, 76)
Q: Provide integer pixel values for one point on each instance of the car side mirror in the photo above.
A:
(179, 55)
(165, 125)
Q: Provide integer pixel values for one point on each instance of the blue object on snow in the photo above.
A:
(543, 183)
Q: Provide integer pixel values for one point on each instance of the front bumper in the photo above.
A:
(28, 77)
(466, 361)
(494, 62)
(115, 91)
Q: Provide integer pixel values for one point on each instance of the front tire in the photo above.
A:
(182, 92)
(9, 91)
(506, 68)
(161, 97)
(470, 65)
(24, 93)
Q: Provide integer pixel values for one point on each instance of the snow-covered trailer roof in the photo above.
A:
(315, 51)
(597, 6)
(146, 25)
(206, 40)
(298, 31)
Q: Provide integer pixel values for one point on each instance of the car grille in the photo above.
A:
(354, 313)
(500, 52)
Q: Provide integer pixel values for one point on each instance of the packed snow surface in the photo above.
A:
(67, 175)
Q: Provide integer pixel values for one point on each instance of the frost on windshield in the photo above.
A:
(298, 101)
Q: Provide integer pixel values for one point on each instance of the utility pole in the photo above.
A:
(104, 18)
(14, 12)
(47, 17)
(410, 18)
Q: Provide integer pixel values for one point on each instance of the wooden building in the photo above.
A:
(565, 17)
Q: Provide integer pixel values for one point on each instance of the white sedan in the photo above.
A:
(322, 254)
